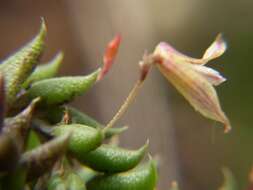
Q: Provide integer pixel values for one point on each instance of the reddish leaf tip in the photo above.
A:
(109, 55)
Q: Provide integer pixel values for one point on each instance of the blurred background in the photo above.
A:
(192, 149)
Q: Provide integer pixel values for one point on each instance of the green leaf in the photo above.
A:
(59, 90)
(17, 127)
(56, 183)
(33, 141)
(55, 114)
(114, 131)
(41, 159)
(18, 66)
(229, 180)
(111, 159)
(82, 140)
(143, 177)
(45, 71)
(74, 182)
(86, 173)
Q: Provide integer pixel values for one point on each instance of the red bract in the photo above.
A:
(109, 56)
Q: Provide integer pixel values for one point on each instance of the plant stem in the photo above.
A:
(125, 105)
(145, 65)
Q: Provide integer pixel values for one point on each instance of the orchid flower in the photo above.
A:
(193, 79)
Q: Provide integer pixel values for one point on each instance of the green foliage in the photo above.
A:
(229, 180)
(74, 182)
(19, 66)
(45, 71)
(56, 91)
(56, 183)
(82, 140)
(47, 144)
(142, 178)
(108, 158)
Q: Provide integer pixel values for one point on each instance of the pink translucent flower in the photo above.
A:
(193, 79)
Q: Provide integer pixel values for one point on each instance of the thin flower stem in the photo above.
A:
(145, 65)
(125, 105)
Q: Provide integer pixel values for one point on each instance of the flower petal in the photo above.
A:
(213, 76)
(109, 56)
(216, 49)
(167, 51)
(195, 88)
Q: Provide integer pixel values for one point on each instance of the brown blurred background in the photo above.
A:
(192, 149)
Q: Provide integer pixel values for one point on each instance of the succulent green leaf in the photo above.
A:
(111, 159)
(59, 90)
(42, 128)
(18, 66)
(41, 159)
(114, 131)
(45, 71)
(33, 141)
(17, 127)
(229, 180)
(55, 114)
(86, 173)
(82, 118)
(82, 140)
(9, 153)
(56, 183)
(74, 182)
(143, 177)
